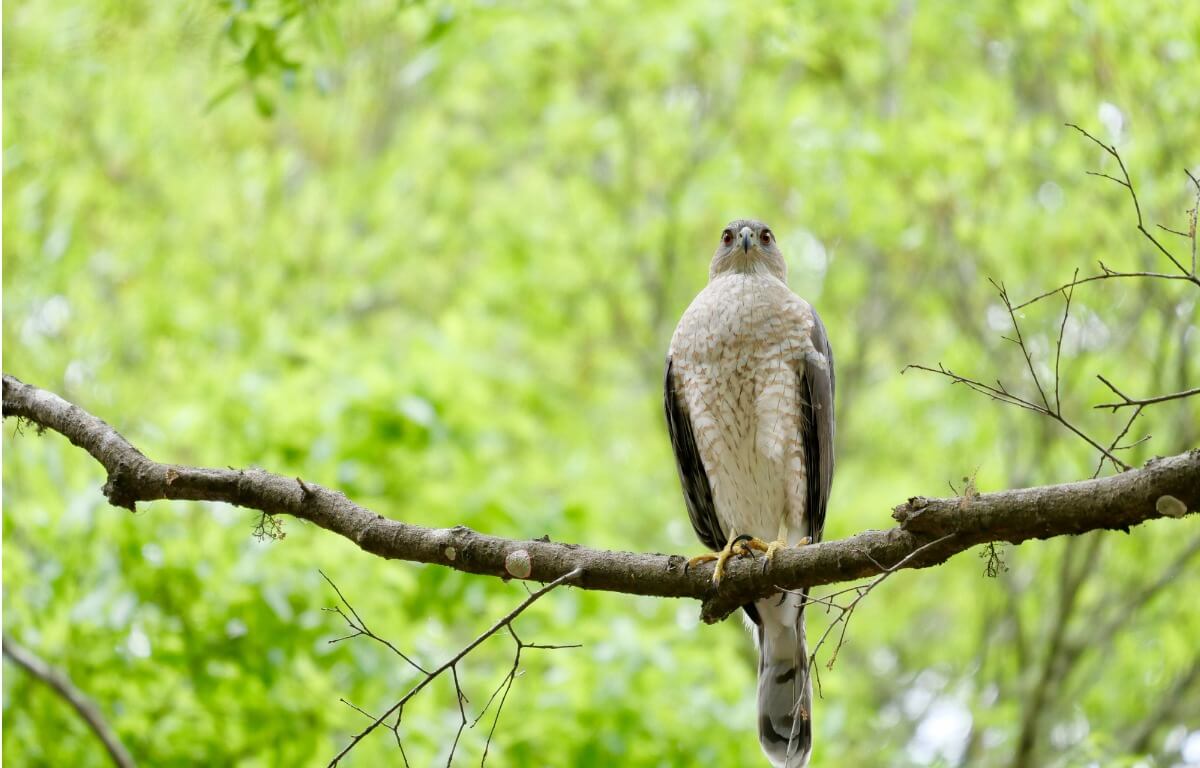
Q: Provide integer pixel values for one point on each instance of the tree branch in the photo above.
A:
(78, 700)
(1131, 401)
(1106, 273)
(1165, 487)
(1127, 182)
(1001, 393)
(451, 665)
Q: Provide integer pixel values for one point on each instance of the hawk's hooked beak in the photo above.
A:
(747, 237)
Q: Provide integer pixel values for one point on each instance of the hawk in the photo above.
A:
(749, 402)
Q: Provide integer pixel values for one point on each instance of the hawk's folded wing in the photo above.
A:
(696, 491)
(816, 426)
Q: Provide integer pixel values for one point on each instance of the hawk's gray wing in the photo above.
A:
(816, 428)
(696, 491)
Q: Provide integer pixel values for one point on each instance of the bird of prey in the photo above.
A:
(749, 402)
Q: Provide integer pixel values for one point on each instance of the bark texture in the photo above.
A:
(929, 531)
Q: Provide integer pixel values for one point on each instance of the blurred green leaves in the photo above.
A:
(267, 44)
(268, 47)
(441, 277)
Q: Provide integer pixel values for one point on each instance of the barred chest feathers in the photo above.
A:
(738, 356)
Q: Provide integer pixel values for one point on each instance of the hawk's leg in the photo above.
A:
(738, 545)
(781, 543)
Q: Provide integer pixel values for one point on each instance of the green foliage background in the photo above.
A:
(431, 254)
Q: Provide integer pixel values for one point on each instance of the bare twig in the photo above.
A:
(1020, 342)
(1127, 182)
(1061, 655)
(461, 697)
(1062, 329)
(355, 621)
(1003, 395)
(506, 685)
(357, 708)
(79, 701)
(1113, 446)
(1106, 273)
(846, 611)
(1194, 218)
(1127, 401)
(359, 626)
(450, 665)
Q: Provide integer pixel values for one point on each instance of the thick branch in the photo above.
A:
(78, 700)
(1166, 487)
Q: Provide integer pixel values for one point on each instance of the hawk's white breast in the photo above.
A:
(737, 357)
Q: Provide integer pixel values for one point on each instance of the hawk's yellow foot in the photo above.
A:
(738, 545)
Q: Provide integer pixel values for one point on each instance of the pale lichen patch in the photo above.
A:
(1169, 506)
(518, 564)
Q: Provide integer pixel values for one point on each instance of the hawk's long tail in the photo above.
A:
(784, 687)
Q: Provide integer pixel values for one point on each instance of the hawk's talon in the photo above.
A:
(743, 545)
(739, 546)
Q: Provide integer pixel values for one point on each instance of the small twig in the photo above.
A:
(1195, 218)
(1127, 401)
(1113, 446)
(1165, 228)
(846, 611)
(395, 729)
(462, 713)
(79, 701)
(449, 664)
(1106, 273)
(1137, 208)
(1106, 176)
(360, 627)
(1020, 342)
(357, 708)
(1003, 395)
(502, 689)
(1067, 293)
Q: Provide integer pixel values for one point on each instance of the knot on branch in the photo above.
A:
(119, 488)
(910, 510)
(714, 610)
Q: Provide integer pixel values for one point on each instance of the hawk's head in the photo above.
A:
(746, 246)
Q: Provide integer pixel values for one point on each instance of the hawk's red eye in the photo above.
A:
(765, 237)
(727, 237)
